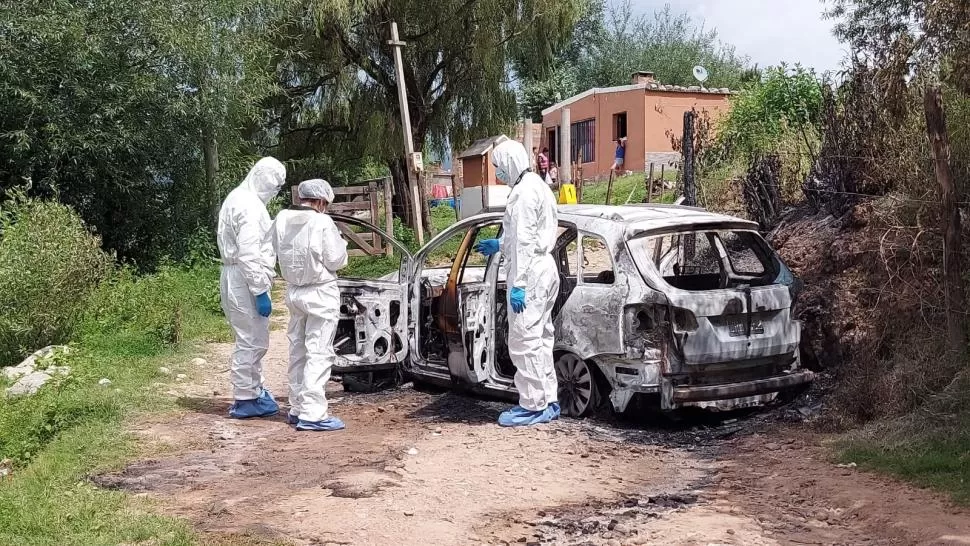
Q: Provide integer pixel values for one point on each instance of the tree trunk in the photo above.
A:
(210, 153)
(402, 204)
(402, 191)
(952, 273)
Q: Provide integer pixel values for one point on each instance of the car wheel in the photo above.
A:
(578, 393)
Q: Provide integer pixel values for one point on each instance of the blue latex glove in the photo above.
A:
(517, 299)
(487, 246)
(263, 305)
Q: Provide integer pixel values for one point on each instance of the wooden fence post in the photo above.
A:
(690, 187)
(650, 184)
(388, 215)
(609, 188)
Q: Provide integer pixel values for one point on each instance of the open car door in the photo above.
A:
(476, 314)
(372, 332)
(465, 311)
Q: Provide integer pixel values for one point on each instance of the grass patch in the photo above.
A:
(930, 447)
(626, 189)
(73, 427)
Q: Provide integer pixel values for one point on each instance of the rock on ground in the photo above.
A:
(32, 373)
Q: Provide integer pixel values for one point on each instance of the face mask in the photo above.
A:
(503, 176)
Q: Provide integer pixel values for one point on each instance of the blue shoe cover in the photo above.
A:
(330, 423)
(517, 416)
(554, 410)
(292, 419)
(264, 406)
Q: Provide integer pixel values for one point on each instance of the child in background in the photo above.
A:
(554, 174)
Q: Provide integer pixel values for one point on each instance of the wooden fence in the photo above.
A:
(363, 201)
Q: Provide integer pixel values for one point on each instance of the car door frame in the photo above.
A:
(371, 294)
(458, 369)
(590, 321)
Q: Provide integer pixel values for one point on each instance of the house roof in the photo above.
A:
(482, 146)
(645, 87)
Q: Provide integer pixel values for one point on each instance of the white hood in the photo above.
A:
(265, 178)
(511, 158)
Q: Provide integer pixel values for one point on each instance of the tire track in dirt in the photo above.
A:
(417, 468)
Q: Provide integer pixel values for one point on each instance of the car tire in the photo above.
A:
(579, 392)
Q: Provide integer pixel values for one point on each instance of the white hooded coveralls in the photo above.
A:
(247, 271)
(529, 230)
(310, 251)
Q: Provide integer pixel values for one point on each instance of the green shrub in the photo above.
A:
(49, 264)
(150, 311)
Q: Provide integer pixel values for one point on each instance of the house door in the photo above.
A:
(552, 137)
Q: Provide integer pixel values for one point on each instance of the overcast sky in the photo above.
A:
(767, 31)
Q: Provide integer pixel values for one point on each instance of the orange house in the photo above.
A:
(645, 112)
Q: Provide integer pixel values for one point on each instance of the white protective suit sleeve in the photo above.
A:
(254, 252)
(329, 247)
(526, 223)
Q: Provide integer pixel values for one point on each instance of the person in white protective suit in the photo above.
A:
(310, 251)
(247, 276)
(529, 231)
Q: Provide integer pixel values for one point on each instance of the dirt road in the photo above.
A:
(415, 468)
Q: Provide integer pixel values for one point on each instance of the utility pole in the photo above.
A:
(402, 97)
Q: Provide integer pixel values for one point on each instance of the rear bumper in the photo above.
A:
(706, 393)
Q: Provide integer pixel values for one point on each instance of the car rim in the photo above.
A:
(575, 384)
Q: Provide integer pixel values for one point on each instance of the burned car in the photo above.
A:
(675, 305)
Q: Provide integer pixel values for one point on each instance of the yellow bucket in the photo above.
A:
(567, 194)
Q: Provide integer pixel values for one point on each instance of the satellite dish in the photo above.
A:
(700, 73)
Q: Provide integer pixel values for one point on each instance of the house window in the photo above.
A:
(619, 126)
(583, 139)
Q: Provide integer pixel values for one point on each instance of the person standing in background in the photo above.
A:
(619, 157)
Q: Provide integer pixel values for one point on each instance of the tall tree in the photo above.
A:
(613, 42)
(342, 91)
(105, 105)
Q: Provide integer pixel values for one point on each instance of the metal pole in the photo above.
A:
(402, 97)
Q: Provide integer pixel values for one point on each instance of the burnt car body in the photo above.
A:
(678, 305)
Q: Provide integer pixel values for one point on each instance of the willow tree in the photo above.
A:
(457, 72)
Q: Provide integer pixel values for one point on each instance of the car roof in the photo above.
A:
(647, 218)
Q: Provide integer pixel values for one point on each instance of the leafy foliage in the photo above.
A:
(612, 43)
(341, 88)
(103, 106)
(783, 100)
(49, 264)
